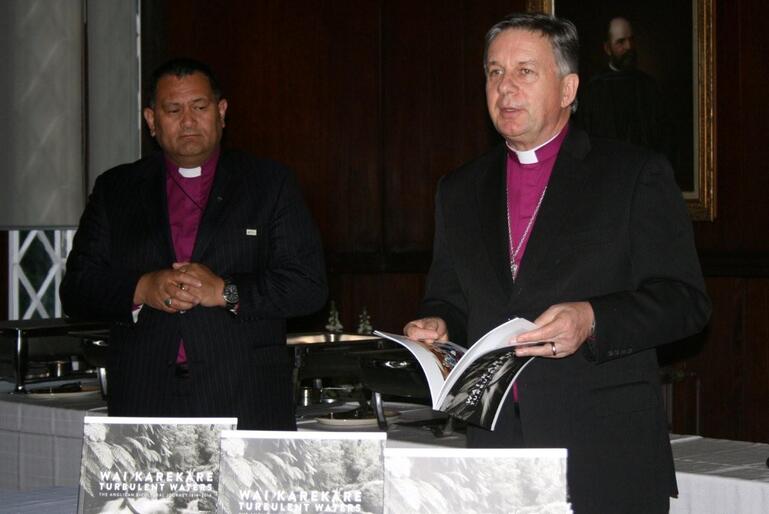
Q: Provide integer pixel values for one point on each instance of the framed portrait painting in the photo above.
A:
(661, 93)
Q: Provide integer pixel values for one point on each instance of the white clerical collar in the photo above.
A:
(529, 156)
(190, 172)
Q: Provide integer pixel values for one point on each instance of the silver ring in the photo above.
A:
(168, 301)
(552, 348)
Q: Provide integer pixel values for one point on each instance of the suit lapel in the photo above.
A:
(222, 194)
(155, 207)
(491, 203)
(566, 182)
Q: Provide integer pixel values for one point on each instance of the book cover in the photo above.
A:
(471, 384)
(159, 465)
(309, 472)
(440, 480)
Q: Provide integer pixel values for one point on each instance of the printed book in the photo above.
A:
(471, 383)
(308, 472)
(440, 480)
(150, 464)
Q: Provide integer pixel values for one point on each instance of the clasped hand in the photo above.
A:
(184, 286)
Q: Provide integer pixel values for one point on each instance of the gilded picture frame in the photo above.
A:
(696, 170)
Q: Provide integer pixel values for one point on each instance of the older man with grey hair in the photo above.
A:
(591, 239)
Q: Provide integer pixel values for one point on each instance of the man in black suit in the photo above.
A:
(197, 256)
(590, 238)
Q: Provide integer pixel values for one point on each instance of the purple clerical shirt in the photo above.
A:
(187, 193)
(527, 176)
(526, 182)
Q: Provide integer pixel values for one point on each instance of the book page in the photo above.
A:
(497, 338)
(478, 394)
(436, 359)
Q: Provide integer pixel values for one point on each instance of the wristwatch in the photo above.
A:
(230, 294)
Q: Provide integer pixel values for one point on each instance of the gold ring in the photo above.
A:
(552, 348)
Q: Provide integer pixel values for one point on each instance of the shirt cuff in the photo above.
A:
(135, 312)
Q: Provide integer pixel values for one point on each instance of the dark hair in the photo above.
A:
(561, 32)
(181, 67)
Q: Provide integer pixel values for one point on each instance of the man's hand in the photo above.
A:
(428, 330)
(209, 292)
(563, 327)
(167, 290)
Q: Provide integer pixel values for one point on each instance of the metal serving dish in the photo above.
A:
(328, 337)
(394, 372)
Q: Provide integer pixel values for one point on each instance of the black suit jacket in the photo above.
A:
(239, 365)
(612, 230)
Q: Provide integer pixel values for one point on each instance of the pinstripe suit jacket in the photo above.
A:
(239, 365)
(612, 230)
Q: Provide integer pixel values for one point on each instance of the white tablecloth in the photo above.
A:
(41, 439)
(51, 500)
(720, 476)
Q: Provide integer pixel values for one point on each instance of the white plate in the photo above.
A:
(87, 390)
(391, 417)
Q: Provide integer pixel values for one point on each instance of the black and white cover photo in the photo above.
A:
(476, 481)
(158, 465)
(308, 472)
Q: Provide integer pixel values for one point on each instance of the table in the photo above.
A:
(41, 438)
(51, 500)
(720, 476)
(22, 330)
(714, 476)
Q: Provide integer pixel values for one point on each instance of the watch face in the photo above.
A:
(230, 293)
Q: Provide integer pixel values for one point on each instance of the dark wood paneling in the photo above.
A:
(733, 359)
(391, 299)
(742, 128)
(753, 375)
(434, 106)
(727, 364)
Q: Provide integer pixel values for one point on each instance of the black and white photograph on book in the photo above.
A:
(313, 472)
(476, 481)
(158, 465)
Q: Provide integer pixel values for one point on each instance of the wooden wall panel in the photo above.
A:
(733, 361)
(434, 106)
(754, 375)
(728, 364)
(742, 222)
(391, 299)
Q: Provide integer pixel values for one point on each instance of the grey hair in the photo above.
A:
(561, 32)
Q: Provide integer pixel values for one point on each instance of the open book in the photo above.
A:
(470, 384)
